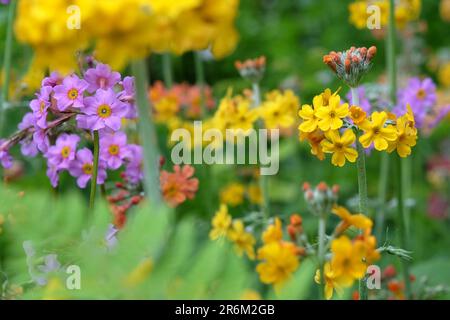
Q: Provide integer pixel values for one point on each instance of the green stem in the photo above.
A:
(94, 170)
(200, 79)
(382, 194)
(147, 133)
(362, 187)
(401, 213)
(7, 62)
(167, 69)
(263, 179)
(321, 253)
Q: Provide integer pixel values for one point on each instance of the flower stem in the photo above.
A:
(7, 62)
(321, 253)
(147, 133)
(362, 187)
(382, 192)
(167, 69)
(200, 79)
(263, 179)
(401, 213)
(94, 170)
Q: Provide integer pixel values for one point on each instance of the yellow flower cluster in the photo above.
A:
(405, 11)
(350, 258)
(444, 74)
(279, 109)
(279, 258)
(122, 30)
(223, 226)
(330, 127)
(234, 194)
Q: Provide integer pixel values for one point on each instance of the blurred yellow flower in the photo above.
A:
(359, 220)
(279, 110)
(243, 240)
(221, 223)
(166, 109)
(273, 233)
(232, 194)
(139, 274)
(347, 260)
(406, 137)
(331, 281)
(444, 73)
(254, 194)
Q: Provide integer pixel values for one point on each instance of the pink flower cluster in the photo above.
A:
(64, 110)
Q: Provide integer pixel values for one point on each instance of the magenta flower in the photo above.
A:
(82, 168)
(421, 95)
(127, 96)
(40, 139)
(40, 106)
(28, 147)
(114, 148)
(133, 170)
(70, 93)
(101, 77)
(63, 152)
(53, 174)
(103, 110)
(5, 158)
(53, 80)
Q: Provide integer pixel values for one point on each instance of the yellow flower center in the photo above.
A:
(113, 149)
(65, 152)
(104, 111)
(339, 146)
(42, 106)
(421, 94)
(72, 94)
(332, 114)
(87, 168)
(376, 131)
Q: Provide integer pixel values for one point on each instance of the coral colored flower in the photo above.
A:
(114, 148)
(375, 131)
(331, 281)
(103, 110)
(314, 138)
(347, 260)
(339, 146)
(279, 263)
(101, 77)
(367, 246)
(178, 186)
(40, 106)
(233, 194)
(70, 93)
(357, 114)
(6, 159)
(133, 168)
(63, 152)
(243, 240)
(359, 220)
(82, 168)
(330, 117)
(406, 137)
(221, 223)
(273, 233)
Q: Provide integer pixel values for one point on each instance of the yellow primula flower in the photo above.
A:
(339, 146)
(279, 110)
(444, 71)
(221, 223)
(357, 114)
(375, 132)
(233, 194)
(331, 281)
(358, 14)
(243, 240)
(273, 233)
(359, 220)
(368, 246)
(166, 109)
(406, 137)
(308, 114)
(279, 262)
(347, 260)
(314, 138)
(330, 117)
(250, 295)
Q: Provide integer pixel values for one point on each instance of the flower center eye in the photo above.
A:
(338, 145)
(421, 94)
(65, 152)
(104, 111)
(376, 131)
(332, 114)
(87, 168)
(42, 106)
(72, 94)
(113, 149)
